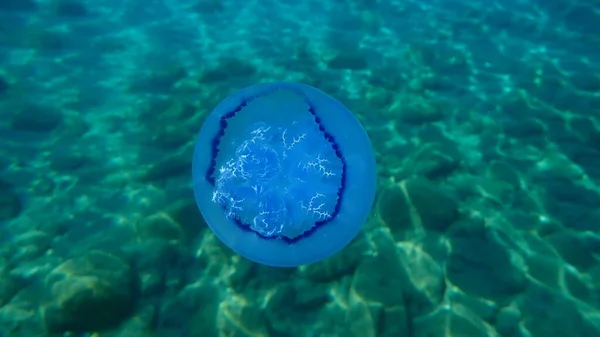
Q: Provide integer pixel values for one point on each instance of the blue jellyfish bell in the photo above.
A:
(284, 174)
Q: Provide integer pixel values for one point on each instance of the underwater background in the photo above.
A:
(484, 116)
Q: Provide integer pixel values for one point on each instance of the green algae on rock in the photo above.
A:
(89, 293)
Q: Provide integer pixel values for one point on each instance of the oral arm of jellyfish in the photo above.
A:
(284, 174)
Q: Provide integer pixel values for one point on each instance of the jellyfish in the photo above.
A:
(283, 174)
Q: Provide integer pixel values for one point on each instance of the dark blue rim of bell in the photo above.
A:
(209, 176)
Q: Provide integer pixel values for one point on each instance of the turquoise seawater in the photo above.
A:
(485, 121)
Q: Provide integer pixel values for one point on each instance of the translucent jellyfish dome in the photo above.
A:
(284, 174)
